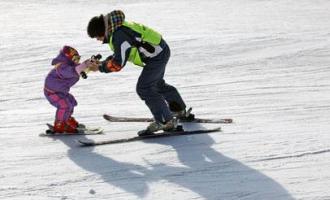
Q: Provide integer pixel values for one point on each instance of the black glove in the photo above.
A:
(103, 66)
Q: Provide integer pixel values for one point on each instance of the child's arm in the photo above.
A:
(83, 66)
(66, 71)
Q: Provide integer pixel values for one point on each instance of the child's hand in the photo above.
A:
(84, 65)
(93, 66)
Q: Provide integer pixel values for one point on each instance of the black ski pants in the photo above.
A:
(160, 97)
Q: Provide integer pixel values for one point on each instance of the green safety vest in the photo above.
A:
(147, 35)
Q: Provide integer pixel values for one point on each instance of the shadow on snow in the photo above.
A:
(206, 172)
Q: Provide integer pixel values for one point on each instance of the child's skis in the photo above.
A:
(81, 131)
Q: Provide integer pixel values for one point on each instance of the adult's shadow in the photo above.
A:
(206, 172)
(212, 175)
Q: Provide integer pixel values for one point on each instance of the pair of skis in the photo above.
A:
(88, 131)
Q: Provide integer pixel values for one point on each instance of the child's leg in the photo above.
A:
(72, 103)
(63, 103)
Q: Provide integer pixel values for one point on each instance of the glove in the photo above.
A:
(113, 66)
(109, 65)
(109, 58)
(103, 65)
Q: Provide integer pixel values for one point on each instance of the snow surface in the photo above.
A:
(264, 63)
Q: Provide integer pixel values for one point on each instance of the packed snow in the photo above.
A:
(263, 63)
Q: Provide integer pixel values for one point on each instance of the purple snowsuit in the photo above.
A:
(57, 86)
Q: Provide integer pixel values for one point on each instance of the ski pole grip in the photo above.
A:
(83, 75)
(96, 57)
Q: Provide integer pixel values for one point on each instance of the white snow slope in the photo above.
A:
(264, 63)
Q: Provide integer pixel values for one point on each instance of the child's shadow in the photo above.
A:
(206, 172)
(120, 174)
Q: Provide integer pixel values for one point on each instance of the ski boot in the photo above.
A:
(72, 121)
(171, 125)
(59, 127)
(184, 115)
(71, 126)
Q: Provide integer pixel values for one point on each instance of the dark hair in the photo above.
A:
(96, 27)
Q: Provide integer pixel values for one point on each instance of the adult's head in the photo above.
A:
(101, 27)
(96, 28)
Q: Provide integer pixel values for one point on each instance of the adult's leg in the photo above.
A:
(172, 96)
(147, 88)
(169, 92)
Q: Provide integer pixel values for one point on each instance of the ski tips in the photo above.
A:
(85, 143)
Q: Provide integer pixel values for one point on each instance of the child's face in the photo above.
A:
(76, 59)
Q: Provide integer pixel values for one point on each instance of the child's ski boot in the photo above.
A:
(65, 127)
(73, 122)
(59, 127)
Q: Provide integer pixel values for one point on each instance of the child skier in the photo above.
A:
(146, 48)
(57, 86)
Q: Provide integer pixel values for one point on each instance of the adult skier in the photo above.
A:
(144, 47)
